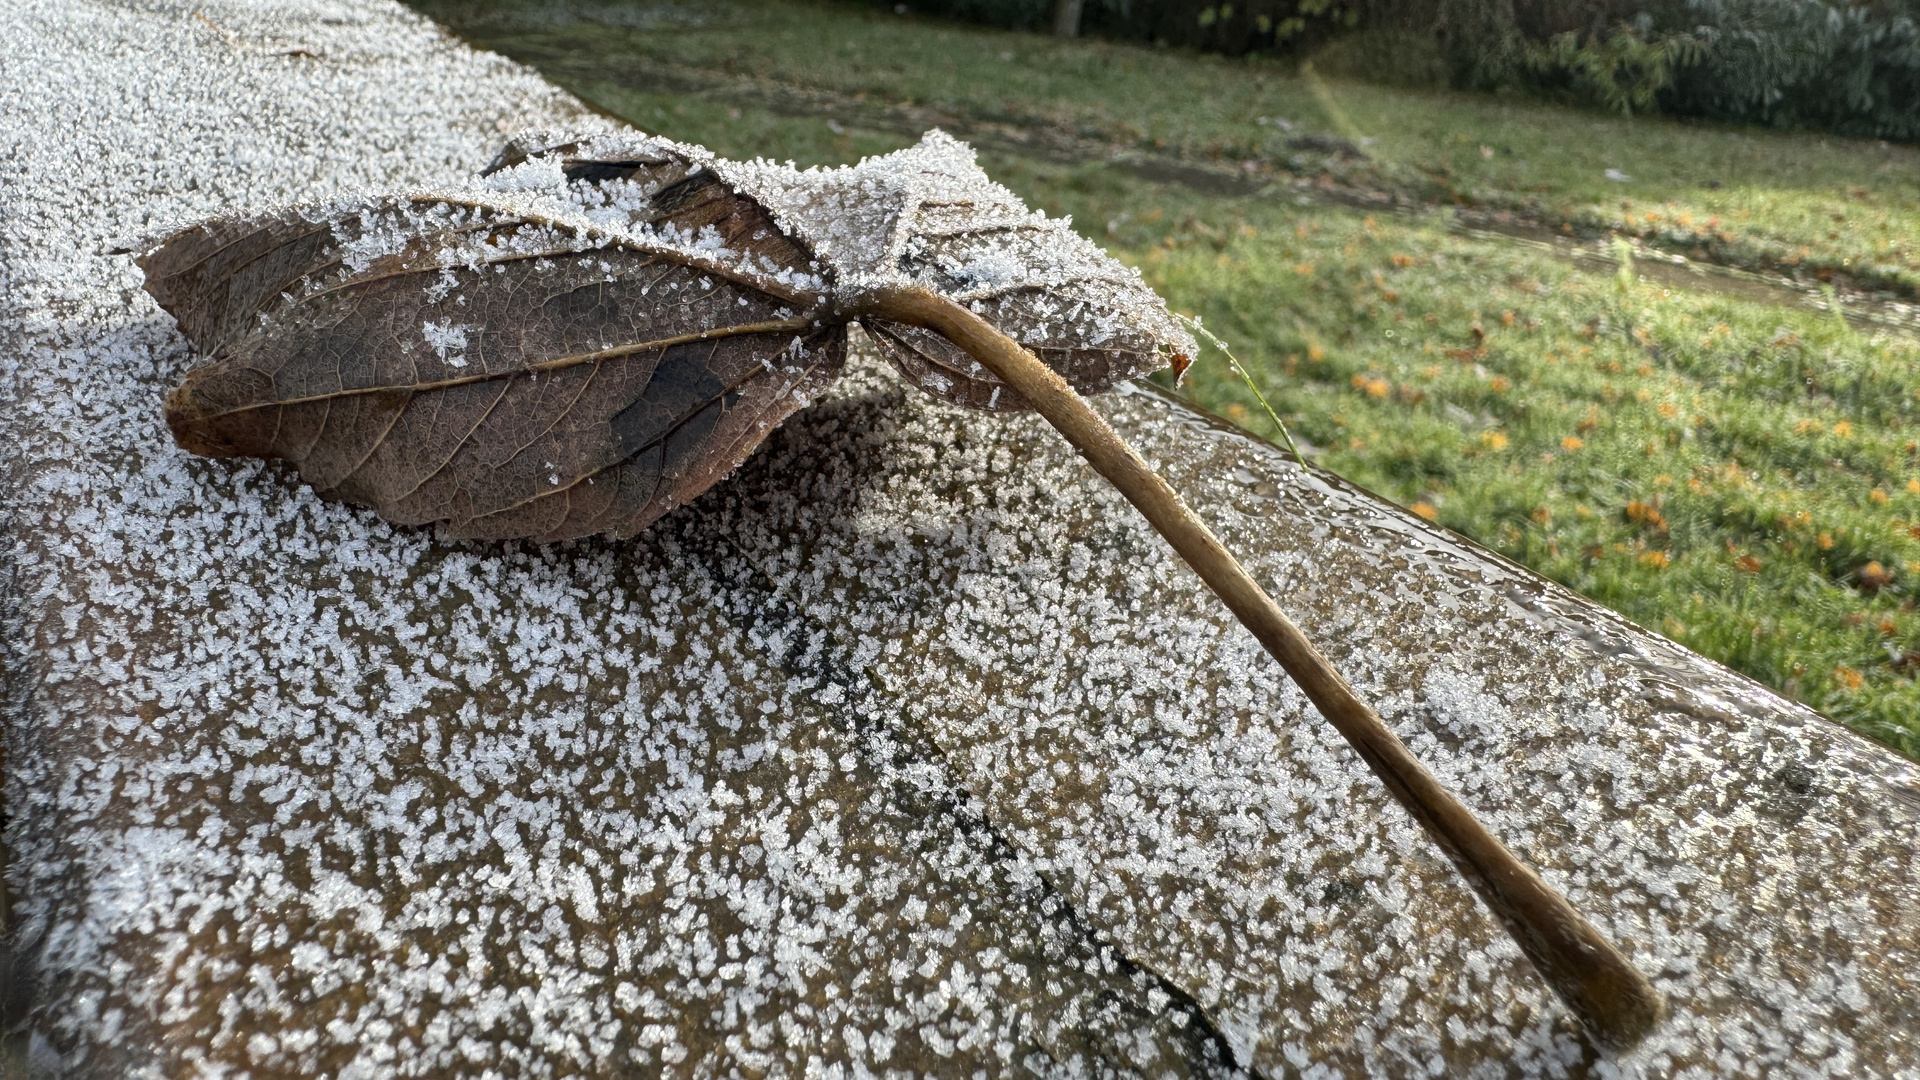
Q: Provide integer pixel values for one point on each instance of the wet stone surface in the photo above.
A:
(906, 750)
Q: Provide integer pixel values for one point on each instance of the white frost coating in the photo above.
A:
(928, 215)
(617, 211)
(294, 792)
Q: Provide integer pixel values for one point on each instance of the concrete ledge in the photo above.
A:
(905, 750)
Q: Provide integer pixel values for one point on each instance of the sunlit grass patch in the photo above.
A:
(1742, 478)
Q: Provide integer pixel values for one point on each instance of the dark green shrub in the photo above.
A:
(1010, 14)
(1847, 68)
(1851, 69)
(1624, 69)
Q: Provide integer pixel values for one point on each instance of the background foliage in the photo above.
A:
(1853, 70)
(1849, 68)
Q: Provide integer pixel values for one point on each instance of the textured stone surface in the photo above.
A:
(905, 749)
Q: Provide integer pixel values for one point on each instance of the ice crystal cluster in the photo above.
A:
(906, 751)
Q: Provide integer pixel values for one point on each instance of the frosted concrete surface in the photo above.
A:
(905, 750)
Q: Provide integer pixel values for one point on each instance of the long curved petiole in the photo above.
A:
(1617, 1005)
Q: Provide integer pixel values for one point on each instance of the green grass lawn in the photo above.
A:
(1740, 476)
(1749, 196)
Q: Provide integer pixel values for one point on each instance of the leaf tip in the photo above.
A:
(205, 422)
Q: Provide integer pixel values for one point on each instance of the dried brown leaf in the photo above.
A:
(611, 324)
(505, 372)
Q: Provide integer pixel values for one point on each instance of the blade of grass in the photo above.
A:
(1839, 314)
(1192, 322)
(1623, 251)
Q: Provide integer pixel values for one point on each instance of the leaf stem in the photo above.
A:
(1617, 1005)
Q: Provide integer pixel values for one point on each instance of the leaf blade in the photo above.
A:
(500, 371)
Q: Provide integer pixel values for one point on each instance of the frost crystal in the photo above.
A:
(449, 341)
